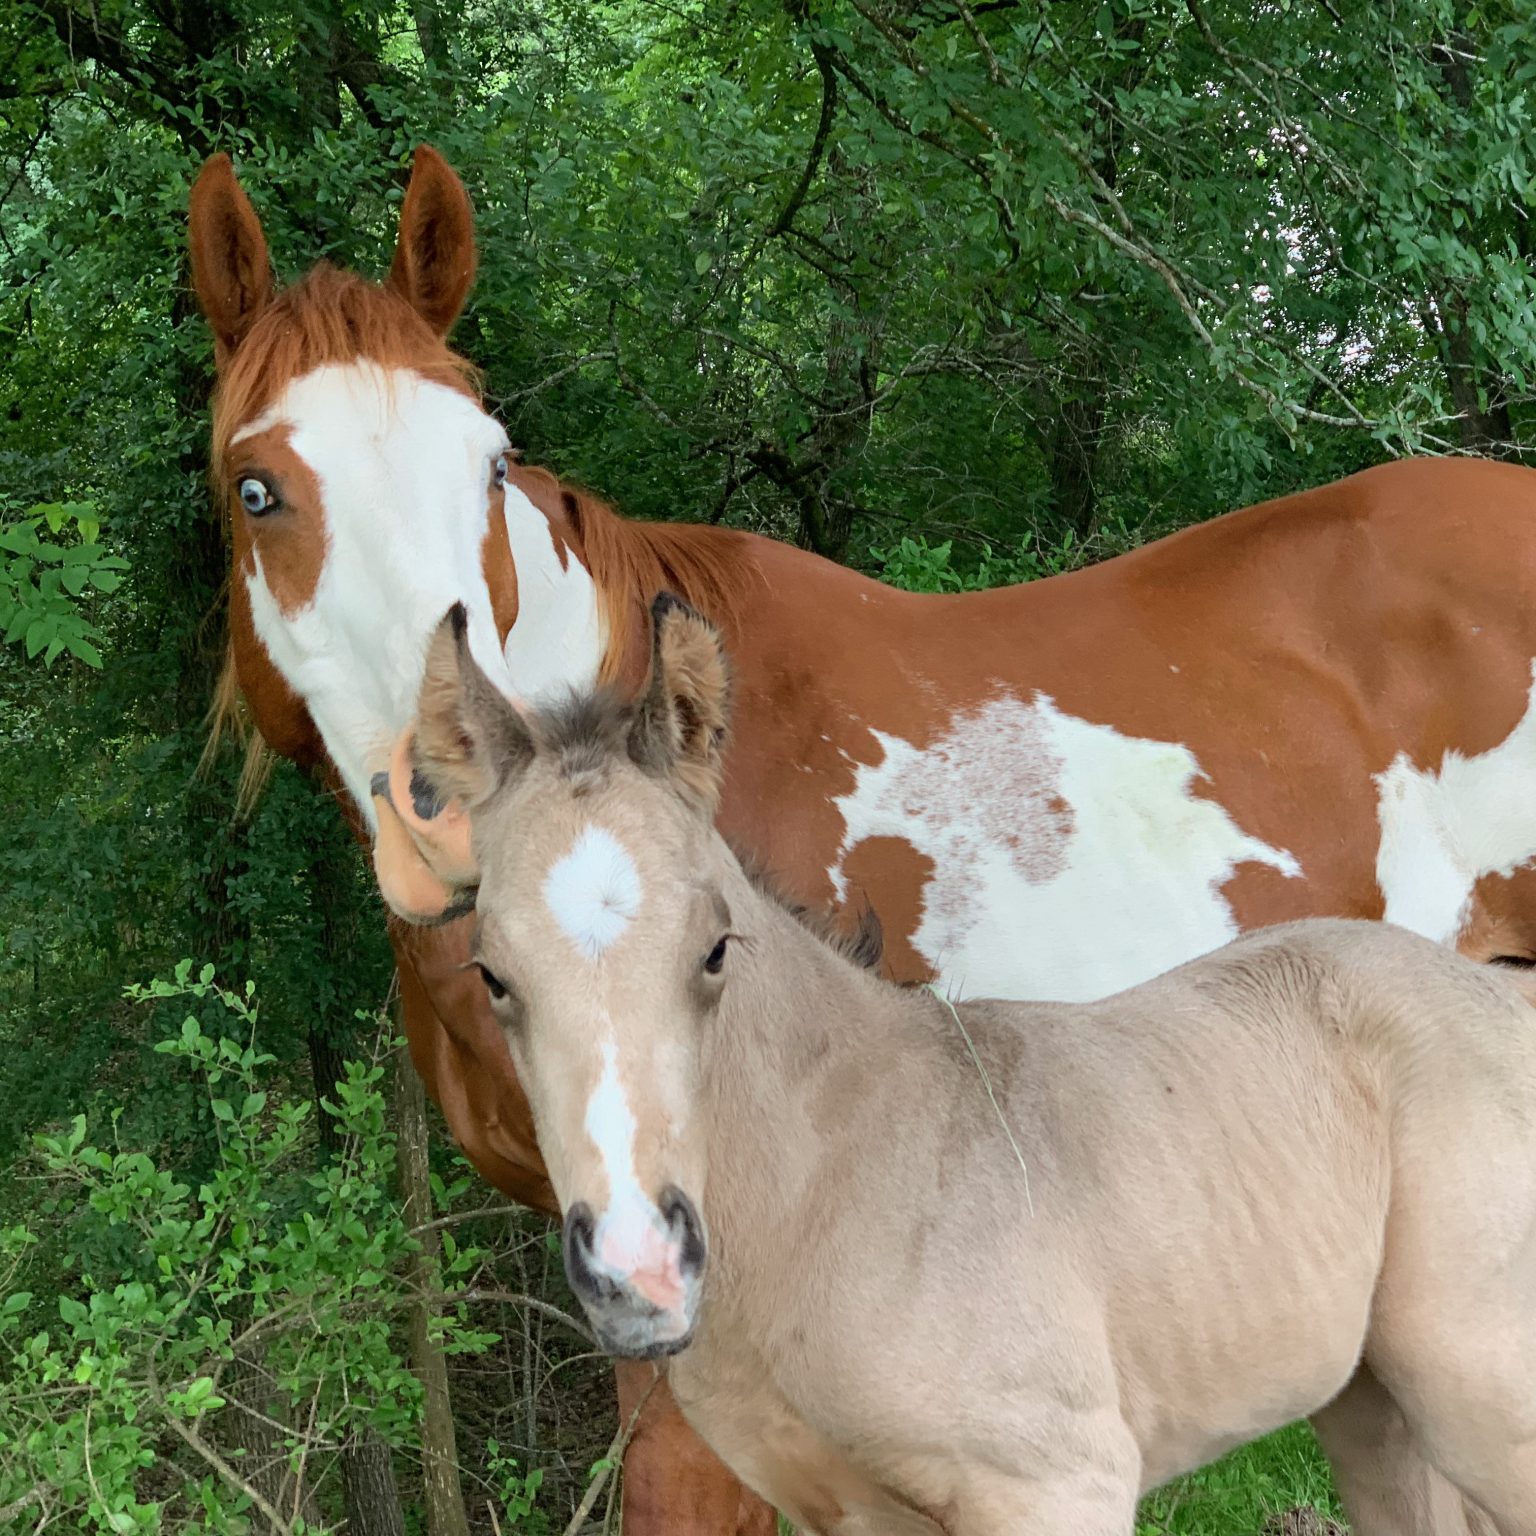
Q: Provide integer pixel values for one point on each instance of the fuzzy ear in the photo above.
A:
(434, 261)
(469, 739)
(231, 274)
(679, 726)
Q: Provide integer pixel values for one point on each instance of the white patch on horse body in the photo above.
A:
(403, 466)
(1069, 861)
(1442, 830)
(593, 891)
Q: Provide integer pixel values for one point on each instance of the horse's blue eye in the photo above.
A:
(256, 496)
(499, 470)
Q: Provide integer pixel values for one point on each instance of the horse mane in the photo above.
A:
(330, 316)
(632, 562)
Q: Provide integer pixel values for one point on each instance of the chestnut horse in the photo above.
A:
(1320, 705)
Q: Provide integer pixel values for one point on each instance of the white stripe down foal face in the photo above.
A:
(598, 945)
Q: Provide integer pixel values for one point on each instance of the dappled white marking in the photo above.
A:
(1069, 861)
(403, 467)
(1443, 829)
(593, 891)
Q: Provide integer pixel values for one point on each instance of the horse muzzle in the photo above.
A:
(422, 856)
(638, 1273)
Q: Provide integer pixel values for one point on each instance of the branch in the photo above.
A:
(228, 1473)
(611, 1460)
(8, 1512)
(519, 1299)
(824, 64)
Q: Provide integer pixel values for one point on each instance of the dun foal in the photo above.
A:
(1108, 1240)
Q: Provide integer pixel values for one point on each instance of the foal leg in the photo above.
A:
(674, 1485)
(1387, 1485)
(1454, 1343)
(1085, 1505)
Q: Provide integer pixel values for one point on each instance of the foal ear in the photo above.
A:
(435, 255)
(231, 274)
(679, 727)
(469, 739)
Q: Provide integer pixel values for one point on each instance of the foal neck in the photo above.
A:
(800, 1026)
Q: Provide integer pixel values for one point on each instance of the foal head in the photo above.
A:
(603, 939)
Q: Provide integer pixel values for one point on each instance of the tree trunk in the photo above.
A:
(446, 1515)
(254, 1439)
(368, 1483)
(1073, 453)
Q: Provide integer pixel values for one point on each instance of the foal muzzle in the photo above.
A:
(638, 1273)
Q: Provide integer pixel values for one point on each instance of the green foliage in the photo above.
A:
(920, 566)
(517, 1492)
(152, 1288)
(44, 584)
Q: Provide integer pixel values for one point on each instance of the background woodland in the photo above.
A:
(956, 292)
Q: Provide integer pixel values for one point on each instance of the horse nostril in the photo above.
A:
(426, 801)
(576, 1238)
(682, 1219)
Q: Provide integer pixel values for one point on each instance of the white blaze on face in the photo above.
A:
(631, 1242)
(1069, 861)
(404, 466)
(593, 892)
(1442, 830)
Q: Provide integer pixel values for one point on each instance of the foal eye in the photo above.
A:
(499, 470)
(256, 496)
(492, 985)
(714, 961)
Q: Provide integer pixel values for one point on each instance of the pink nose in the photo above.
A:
(638, 1273)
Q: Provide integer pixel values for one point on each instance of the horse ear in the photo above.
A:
(231, 274)
(435, 255)
(679, 727)
(469, 739)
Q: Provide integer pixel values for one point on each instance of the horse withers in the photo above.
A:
(1098, 1244)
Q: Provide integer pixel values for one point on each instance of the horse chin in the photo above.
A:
(629, 1342)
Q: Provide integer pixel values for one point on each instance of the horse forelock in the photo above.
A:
(330, 316)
